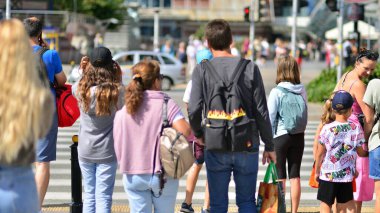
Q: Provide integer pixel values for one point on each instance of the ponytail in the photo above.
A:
(134, 94)
(145, 73)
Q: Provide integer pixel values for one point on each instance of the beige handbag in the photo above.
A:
(176, 153)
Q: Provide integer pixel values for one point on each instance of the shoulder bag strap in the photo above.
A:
(165, 123)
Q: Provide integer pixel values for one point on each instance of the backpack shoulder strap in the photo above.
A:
(282, 89)
(40, 52)
(240, 67)
(207, 66)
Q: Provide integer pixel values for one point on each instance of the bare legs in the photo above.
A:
(295, 192)
(358, 206)
(348, 207)
(377, 191)
(191, 181)
(42, 177)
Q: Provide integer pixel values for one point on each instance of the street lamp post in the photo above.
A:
(252, 29)
(8, 10)
(156, 30)
(340, 39)
(294, 27)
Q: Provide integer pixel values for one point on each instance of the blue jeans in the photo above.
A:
(244, 167)
(18, 192)
(98, 181)
(140, 190)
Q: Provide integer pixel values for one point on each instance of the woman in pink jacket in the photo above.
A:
(137, 128)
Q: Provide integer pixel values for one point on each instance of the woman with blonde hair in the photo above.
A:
(100, 94)
(26, 112)
(137, 129)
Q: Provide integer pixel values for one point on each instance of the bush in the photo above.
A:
(320, 88)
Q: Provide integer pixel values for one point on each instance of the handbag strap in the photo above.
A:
(271, 172)
(165, 123)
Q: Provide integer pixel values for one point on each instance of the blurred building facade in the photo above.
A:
(180, 18)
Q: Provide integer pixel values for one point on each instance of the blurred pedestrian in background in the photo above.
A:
(26, 113)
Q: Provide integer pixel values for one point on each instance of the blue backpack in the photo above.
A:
(293, 111)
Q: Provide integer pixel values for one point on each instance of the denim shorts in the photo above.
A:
(46, 149)
(374, 164)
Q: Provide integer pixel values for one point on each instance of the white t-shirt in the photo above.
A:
(186, 95)
(341, 141)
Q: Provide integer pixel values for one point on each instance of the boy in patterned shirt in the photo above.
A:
(339, 144)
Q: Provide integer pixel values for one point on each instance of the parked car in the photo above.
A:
(172, 68)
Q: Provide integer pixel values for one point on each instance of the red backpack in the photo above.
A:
(67, 106)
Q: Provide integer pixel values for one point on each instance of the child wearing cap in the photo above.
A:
(339, 142)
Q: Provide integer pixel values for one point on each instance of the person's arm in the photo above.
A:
(273, 104)
(358, 93)
(260, 109)
(316, 137)
(361, 152)
(182, 126)
(321, 151)
(196, 103)
(369, 99)
(369, 122)
(59, 75)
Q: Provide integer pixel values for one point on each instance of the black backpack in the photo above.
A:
(227, 119)
(41, 68)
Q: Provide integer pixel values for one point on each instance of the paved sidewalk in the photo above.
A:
(197, 208)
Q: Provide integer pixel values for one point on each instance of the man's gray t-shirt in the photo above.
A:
(372, 98)
(96, 144)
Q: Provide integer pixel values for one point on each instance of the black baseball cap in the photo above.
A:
(342, 100)
(100, 57)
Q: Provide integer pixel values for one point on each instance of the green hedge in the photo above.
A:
(320, 88)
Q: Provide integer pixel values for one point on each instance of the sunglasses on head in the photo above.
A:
(368, 55)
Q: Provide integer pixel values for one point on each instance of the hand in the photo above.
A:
(268, 157)
(42, 43)
(356, 174)
(83, 62)
(200, 141)
(316, 177)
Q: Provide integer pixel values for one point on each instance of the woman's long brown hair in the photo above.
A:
(144, 74)
(107, 81)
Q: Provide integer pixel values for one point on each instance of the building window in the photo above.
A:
(152, 3)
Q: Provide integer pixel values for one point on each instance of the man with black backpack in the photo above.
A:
(228, 113)
(50, 71)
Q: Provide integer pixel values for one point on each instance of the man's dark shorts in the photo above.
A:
(46, 149)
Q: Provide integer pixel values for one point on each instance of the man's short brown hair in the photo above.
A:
(218, 34)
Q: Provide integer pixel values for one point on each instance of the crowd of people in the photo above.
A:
(120, 126)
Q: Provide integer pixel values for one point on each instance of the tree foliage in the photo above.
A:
(100, 9)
